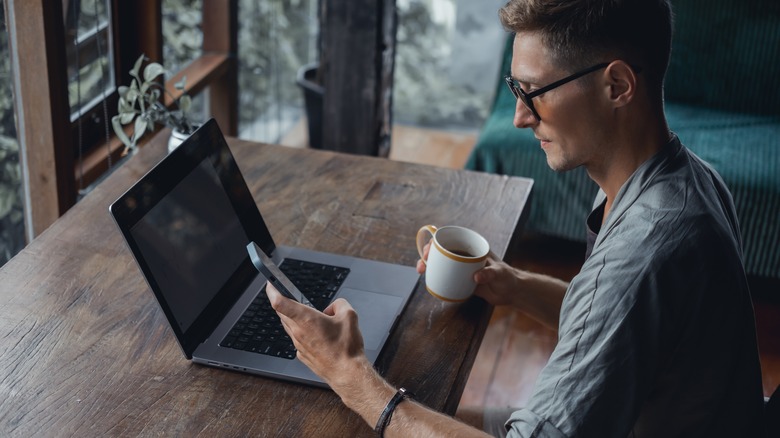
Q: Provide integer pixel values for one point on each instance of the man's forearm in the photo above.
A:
(413, 419)
(541, 297)
(330, 344)
(367, 394)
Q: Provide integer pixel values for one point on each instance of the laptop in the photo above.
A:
(188, 222)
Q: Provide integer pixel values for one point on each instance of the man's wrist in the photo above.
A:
(387, 413)
(364, 391)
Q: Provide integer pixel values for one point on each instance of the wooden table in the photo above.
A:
(85, 350)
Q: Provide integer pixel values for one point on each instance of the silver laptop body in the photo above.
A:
(187, 223)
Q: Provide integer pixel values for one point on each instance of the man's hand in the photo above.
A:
(330, 343)
(499, 284)
(496, 282)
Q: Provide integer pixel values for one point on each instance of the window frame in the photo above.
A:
(49, 140)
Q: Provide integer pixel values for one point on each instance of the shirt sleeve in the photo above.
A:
(610, 344)
(525, 423)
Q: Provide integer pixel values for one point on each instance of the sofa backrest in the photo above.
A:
(726, 55)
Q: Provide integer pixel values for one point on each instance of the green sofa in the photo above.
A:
(722, 95)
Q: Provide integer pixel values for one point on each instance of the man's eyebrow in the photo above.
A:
(524, 76)
(526, 80)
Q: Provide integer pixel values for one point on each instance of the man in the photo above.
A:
(656, 333)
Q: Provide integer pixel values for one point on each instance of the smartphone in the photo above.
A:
(274, 275)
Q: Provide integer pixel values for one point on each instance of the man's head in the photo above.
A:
(580, 33)
(588, 75)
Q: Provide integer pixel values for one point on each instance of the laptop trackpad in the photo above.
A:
(376, 314)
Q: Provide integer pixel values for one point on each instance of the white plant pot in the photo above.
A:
(176, 138)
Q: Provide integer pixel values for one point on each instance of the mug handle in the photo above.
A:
(420, 243)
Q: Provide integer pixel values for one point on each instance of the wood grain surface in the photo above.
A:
(85, 350)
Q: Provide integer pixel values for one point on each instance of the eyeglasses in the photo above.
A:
(526, 97)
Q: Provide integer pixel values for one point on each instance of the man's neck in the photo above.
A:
(632, 145)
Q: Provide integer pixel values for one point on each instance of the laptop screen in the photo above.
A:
(193, 242)
(187, 222)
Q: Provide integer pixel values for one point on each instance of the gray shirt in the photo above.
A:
(657, 334)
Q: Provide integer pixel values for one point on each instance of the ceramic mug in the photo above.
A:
(456, 254)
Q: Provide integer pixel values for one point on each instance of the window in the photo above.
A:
(66, 93)
(448, 58)
(91, 81)
(89, 52)
(11, 210)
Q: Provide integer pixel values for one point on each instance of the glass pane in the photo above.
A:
(11, 211)
(275, 39)
(182, 34)
(447, 61)
(183, 42)
(89, 50)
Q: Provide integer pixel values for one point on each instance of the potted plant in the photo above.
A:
(140, 103)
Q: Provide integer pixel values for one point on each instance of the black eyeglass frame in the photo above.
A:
(526, 97)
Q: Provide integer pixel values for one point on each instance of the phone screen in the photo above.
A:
(273, 274)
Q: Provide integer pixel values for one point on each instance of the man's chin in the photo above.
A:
(558, 166)
(552, 163)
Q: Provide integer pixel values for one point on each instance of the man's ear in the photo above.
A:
(622, 82)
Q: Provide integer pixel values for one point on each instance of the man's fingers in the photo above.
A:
(421, 263)
(284, 305)
(288, 310)
(339, 305)
(488, 273)
(276, 299)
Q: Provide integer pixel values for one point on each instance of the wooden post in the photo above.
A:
(43, 111)
(139, 28)
(357, 58)
(220, 35)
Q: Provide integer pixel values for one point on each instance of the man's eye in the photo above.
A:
(526, 89)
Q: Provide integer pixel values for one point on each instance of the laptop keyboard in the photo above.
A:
(259, 330)
(319, 283)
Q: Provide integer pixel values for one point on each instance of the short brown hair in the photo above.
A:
(584, 32)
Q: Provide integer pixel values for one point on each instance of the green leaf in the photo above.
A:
(131, 96)
(181, 84)
(139, 129)
(123, 89)
(7, 198)
(185, 103)
(120, 133)
(126, 118)
(123, 106)
(152, 71)
(137, 67)
(16, 216)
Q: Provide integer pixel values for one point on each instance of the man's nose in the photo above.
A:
(524, 118)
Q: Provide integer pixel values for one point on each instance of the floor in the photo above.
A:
(502, 375)
(412, 144)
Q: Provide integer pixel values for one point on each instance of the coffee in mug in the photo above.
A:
(456, 254)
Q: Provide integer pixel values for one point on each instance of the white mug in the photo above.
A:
(456, 254)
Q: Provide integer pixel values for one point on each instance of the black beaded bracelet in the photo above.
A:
(387, 413)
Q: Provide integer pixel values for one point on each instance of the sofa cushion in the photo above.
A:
(725, 55)
(745, 150)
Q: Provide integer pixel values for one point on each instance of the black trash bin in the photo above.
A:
(312, 97)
